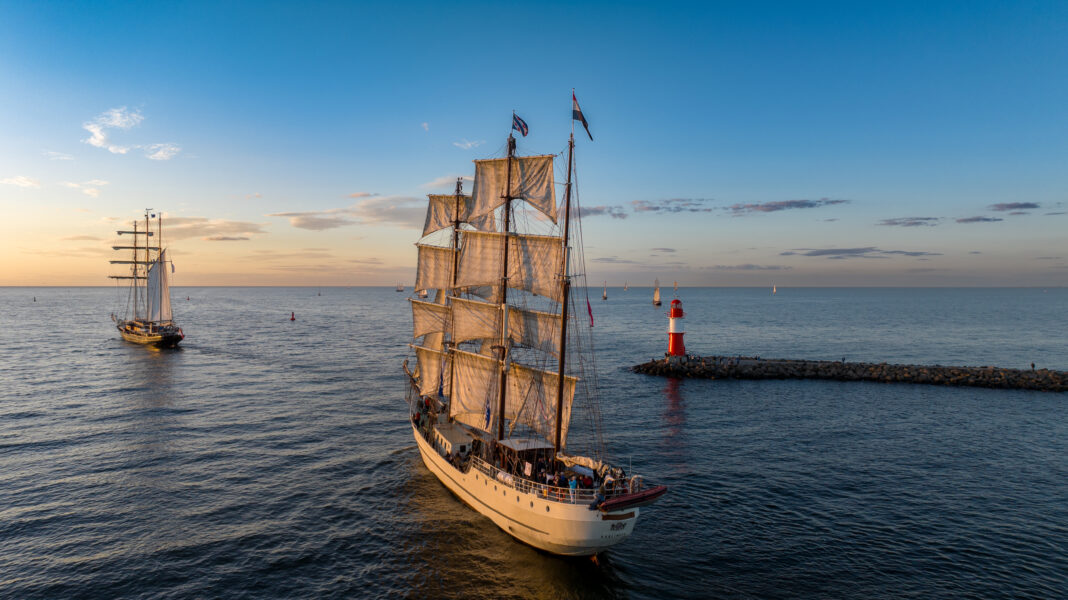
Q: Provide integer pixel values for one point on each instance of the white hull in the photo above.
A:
(559, 527)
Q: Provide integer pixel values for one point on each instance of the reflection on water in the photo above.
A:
(674, 438)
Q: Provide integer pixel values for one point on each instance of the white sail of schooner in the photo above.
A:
(656, 292)
(499, 364)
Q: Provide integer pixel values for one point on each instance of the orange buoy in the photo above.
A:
(292, 316)
(675, 330)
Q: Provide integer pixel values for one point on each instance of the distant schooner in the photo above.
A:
(148, 319)
(490, 411)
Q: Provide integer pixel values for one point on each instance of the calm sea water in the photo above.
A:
(270, 458)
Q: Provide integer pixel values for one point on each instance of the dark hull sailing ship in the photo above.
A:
(149, 300)
(499, 364)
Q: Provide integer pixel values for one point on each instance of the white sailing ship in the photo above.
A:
(500, 363)
(656, 292)
(148, 319)
(604, 293)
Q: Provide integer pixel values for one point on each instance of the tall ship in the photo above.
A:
(656, 292)
(147, 318)
(502, 368)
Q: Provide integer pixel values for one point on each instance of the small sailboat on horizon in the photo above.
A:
(151, 321)
(656, 292)
(604, 294)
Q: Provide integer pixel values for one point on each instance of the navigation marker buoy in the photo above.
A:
(675, 330)
(292, 316)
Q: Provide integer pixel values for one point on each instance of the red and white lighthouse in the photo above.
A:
(675, 330)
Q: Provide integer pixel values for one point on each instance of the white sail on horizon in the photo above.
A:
(158, 291)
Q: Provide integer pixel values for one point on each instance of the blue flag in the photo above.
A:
(519, 124)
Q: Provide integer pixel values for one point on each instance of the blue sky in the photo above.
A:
(796, 143)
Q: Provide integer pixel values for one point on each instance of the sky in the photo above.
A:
(735, 144)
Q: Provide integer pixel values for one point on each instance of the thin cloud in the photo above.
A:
(372, 261)
(124, 119)
(672, 205)
(910, 222)
(315, 221)
(467, 145)
(748, 267)
(975, 252)
(161, 151)
(362, 195)
(181, 228)
(767, 207)
(57, 155)
(1049, 257)
(426, 126)
(1007, 206)
(664, 250)
(1050, 214)
(21, 181)
(81, 238)
(979, 220)
(1019, 212)
(403, 211)
(614, 260)
(115, 118)
(90, 188)
(616, 212)
(445, 181)
(225, 238)
(253, 195)
(845, 253)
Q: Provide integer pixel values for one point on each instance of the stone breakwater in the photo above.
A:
(754, 367)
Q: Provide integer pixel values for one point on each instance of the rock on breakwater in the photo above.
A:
(754, 367)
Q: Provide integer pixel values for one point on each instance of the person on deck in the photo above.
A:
(572, 485)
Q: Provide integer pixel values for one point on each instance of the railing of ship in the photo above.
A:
(548, 492)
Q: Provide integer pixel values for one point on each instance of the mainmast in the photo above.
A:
(507, 229)
(565, 283)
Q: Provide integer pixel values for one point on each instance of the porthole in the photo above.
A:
(531, 504)
(546, 508)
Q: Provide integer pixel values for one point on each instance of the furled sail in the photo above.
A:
(158, 290)
(529, 400)
(435, 267)
(433, 371)
(474, 320)
(533, 264)
(532, 180)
